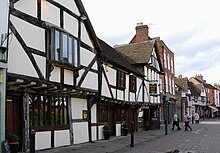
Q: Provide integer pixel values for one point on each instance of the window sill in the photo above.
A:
(65, 65)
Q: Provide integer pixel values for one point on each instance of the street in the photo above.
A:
(204, 138)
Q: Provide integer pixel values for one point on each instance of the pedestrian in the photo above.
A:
(176, 121)
(197, 118)
(187, 120)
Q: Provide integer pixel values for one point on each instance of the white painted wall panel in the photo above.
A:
(93, 114)
(105, 90)
(139, 90)
(42, 140)
(132, 96)
(94, 133)
(120, 95)
(33, 36)
(71, 24)
(41, 62)
(70, 5)
(68, 77)
(62, 138)
(91, 81)
(101, 136)
(80, 131)
(86, 56)
(27, 6)
(127, 92)
(111, 74)
(18, 61)
(4, 5)
(118, 129)
(50, 13)
(55, 74)
(84, 36)
(77, 105)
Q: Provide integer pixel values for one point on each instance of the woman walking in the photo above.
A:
(187, 120)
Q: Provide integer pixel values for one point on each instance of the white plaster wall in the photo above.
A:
(111, 74)
(21, 65)
(68, 77)
(42, 140)
(70, 5)
(41, 62)
(105, 90)
(50, 13)
(55, 74)
(100, 129)
(33, 36)
(132, 96)
(84, 36)
(27, 6)
(86, 56)
(71, 24)
(118, 129)
(94, 133)
(127, 88)
(62, 138)
(4, 5)
(120, 95)
(90, 81)
(139, 90)
(93, 113)
(80, 132)
(77, 105)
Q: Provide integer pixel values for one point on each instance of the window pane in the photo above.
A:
(57, 45)
(70, 58)
(65, 53)
(75, 53)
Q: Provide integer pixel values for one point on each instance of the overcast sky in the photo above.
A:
(190, 29)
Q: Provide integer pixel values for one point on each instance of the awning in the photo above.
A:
(212, 107)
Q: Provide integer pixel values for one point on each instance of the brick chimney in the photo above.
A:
(141, 33)
(200, 77)
(180, 76)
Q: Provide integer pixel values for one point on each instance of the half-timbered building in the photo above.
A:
(52, 76)
(122, 91)
(144, 53)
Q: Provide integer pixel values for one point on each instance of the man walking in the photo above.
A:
(187, 120)
(176, 121)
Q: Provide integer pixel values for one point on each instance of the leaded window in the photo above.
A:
(63, 48)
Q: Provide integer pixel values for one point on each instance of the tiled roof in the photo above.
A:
(139, 52)
(194, 89)
(182, 83)
(116, 58)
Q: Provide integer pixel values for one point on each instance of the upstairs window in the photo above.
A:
(121, 80)
(64, 48)
(132, 83)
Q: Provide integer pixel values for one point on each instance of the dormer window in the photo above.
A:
(63, 48)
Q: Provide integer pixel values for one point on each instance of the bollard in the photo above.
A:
(32, 141)
(132, 134)
(165, 127)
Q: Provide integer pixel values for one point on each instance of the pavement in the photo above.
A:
(204, 138)
(113, 145)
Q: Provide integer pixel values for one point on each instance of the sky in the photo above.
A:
(189, 28)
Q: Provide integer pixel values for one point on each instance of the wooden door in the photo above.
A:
(14, 116)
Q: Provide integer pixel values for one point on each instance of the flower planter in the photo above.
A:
(124, 131)
(13, 147)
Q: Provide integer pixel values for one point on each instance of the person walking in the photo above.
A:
(187, 120)
(197, 118)
(176, 121)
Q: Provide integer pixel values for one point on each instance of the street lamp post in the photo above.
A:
(3, 67)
